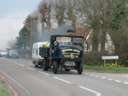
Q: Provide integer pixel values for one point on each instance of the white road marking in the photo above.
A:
(103, 77)
(118, 81)
(110, 79)
(17, 83)
(65, 81)
(44, 73)
(97, 76)
(126, 83)
(90, 90)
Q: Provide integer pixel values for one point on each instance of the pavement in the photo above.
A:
(30, 81)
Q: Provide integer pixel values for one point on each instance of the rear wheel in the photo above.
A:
(55, 67)
(45, 65)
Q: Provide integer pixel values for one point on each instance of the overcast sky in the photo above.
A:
(12, 16)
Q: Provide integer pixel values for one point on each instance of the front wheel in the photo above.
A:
(80, 70)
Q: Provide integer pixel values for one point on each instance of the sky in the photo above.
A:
(12, 16)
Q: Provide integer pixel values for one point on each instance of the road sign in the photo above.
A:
(105, 58)
(110, 57)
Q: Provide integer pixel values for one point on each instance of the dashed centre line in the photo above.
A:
(90, 90)
(118, 81)
(81, 87)
(60, 79)
(109, 79)
(97, 76)
(126, 83)
(44, 73)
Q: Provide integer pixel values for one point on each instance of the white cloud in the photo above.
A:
(10, 26)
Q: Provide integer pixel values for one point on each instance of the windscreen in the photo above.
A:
(70, 41)
(64, 41)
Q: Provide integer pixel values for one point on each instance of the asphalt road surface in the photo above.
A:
(29, 81)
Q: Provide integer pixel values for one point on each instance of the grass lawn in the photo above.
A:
(106, 69)
(4, 90)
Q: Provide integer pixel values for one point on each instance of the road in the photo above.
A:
(29, 81)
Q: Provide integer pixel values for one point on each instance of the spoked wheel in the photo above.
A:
(55, 67)
(80, 69)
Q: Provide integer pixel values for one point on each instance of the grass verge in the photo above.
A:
(106, 69)
(4, 90)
